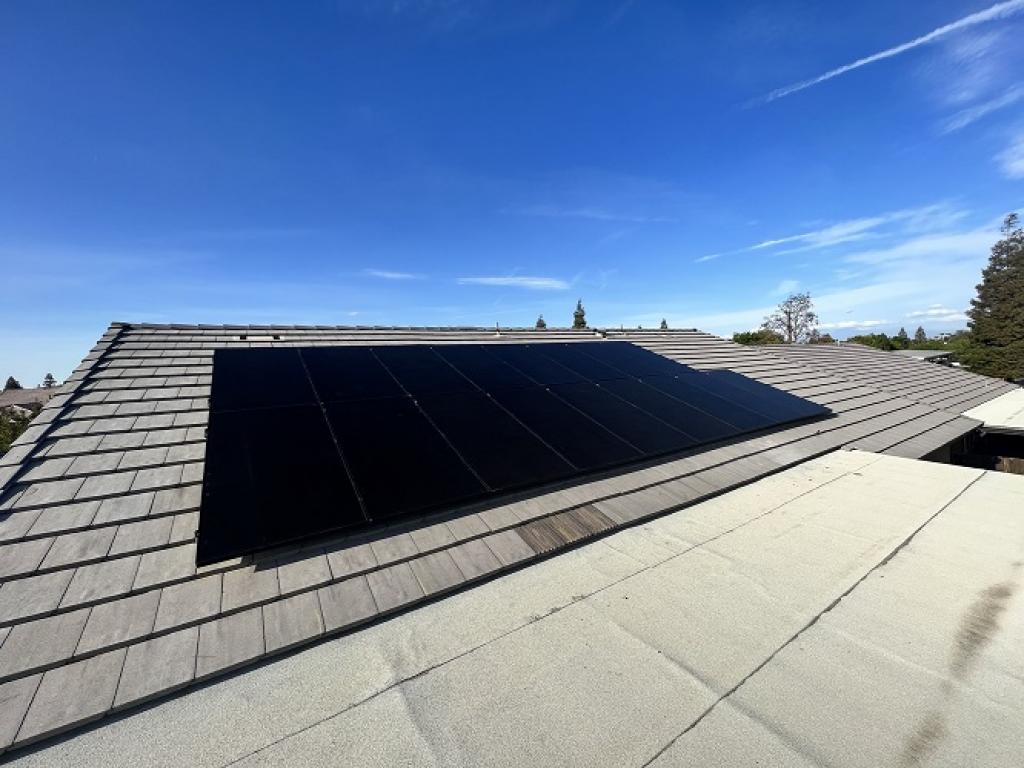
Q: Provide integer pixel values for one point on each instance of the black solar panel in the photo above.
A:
(306, 441)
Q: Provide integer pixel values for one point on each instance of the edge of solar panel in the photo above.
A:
(321, 370)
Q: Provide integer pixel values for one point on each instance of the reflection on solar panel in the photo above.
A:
(306, 441)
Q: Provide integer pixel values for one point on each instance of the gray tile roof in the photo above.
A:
(102, 606)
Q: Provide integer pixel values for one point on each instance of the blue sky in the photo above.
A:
(472, 162)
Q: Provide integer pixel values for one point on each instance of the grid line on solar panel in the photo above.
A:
(438, 377)
(352, 435)
(334, 438)
(481, 368)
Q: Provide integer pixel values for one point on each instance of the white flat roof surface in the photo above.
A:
(856, 610)
(1003, 412)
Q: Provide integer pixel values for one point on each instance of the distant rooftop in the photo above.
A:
(924, 354)
(26, 397)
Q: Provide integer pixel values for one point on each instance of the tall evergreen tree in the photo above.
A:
(664, 324)
(49, 382)
(902, 339)
(12, 383)
(920, 337)
(541, 324)
(579, 315)
(996, 345)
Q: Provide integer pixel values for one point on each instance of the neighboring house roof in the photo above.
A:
(23, 397)
(856, 610)
(102, 607)
(1003, 414)
(924, 354)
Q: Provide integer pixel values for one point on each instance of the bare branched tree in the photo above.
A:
(794, 320)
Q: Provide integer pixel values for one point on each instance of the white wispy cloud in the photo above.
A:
(1011, 159)
(993, 13)
(938, 313)
(917, 276)
(787, 286)
(933, 217)
(947, 244)
(387, 274)
(965, 117)
(518, 281)
(843, 232)
(844, 325)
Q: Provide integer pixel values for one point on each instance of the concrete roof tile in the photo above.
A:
(187, 602)
(157, 477)
(16, 696)
(145, 534)
(508, 547)
(432, 537)
(156, 666)
(392, 548)
(291, 621)
(248, 586)
(165, 565)
(126, 507)
(64, 517)
(119, 621)
(145, 457)
(53, 492)
(349, 559)
(436, 572)
(42, 643)
(178, 499)
(302, 571)
(22, 557)
(184, 526)
(72, 694)
(32, 596)
(14, 525)
(474, 558)
(230, 641)
(111, 484)
(347, 603)
(394, 586)
(101, 580)
(94, 463)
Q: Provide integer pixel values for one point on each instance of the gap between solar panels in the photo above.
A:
(304, 441)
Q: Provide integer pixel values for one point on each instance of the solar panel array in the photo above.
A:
(302, 441)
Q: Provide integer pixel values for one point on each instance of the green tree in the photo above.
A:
(664, 324)
(876, 340)
(920, 337)
(902, 340)
(821, 338)
(12, 383)
(579, 315)
(757, 338)
(11, 427)
(996, 345)
(541, 324)
(794, 319)
(49, 382)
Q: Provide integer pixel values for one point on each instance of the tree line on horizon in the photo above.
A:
(992, 344)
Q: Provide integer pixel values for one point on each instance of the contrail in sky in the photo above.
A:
(997, 11)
